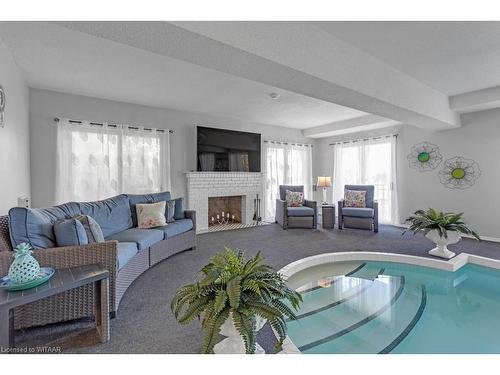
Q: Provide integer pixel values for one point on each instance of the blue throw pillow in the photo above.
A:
(92, 228)
(170, 211)
(179, 209)
(70, 232)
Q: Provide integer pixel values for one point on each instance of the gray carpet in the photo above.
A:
(144, 323)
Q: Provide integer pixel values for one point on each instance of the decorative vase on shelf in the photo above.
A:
(233, 343)
(441, 249)
(24, 268)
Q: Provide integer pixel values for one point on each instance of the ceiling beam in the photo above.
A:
(294, 56)
(353, 125)
(474, 101)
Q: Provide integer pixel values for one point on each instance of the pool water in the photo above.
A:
(377, 307)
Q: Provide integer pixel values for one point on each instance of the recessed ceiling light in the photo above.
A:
(274, 95)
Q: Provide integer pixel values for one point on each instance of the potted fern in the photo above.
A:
(234, 297)
(442, 228)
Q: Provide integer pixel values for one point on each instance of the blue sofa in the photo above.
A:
(127, 252)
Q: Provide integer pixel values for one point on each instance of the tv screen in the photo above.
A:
(221, 150)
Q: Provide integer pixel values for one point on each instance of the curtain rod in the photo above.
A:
(57, 119)
(364, 139)
(287, 143)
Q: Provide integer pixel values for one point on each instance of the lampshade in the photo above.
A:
(324, 181)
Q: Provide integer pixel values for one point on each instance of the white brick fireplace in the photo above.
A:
(202, 185)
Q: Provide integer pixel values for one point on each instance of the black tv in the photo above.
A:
(221, 150)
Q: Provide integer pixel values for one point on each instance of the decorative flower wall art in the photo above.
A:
(2, 106)
(459, 173)
(424, 157)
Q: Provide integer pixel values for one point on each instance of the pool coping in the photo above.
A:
(451, 265)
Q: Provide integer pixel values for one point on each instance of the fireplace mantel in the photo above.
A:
(202, 185)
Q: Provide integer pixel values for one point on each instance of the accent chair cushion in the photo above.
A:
(144, 238)
(354, 198)
(294, 198)
(112, 214)
(370, 192)
(170, 211)
(177, 227)
(300, 211)
(35, 225)
(91, 227)
(284, 188)
(70, 232)
(145, 198)
(125, 252)
(179, 209)
(358, 212)
(150, 215)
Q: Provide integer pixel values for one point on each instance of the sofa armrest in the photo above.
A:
(375, 216)
(281, 217)
(103, 253)
(191, 214)
(340, 205)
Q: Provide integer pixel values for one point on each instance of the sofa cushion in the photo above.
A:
(125, 252)
(179, 209)
(144, 238)
(357, 212)
(70, 232)
(112, 214)
(145, 198)
(92, 228)
(35, 225)
(177, 227)
(150, 215)
(300, 211)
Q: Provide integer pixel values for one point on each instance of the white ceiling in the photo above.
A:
(57, 58)
(452, 57)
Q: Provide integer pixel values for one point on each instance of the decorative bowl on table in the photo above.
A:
(43, 276)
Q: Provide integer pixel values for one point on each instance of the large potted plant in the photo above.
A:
(235, 297)
(442, 228)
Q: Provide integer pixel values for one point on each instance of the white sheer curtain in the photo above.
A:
(285, 164)
(96, 162)
(369, 162)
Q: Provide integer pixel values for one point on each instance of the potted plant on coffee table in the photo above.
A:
(442, 228)
(235, 297)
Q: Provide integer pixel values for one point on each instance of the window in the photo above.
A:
(369, 162)
(285, 164)
(95, 162)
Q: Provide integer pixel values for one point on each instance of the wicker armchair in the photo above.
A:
(295, 217)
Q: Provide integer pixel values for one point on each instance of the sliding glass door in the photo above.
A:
(285, 164)
(369, 162)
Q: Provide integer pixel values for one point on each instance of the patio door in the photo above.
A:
(369, 162)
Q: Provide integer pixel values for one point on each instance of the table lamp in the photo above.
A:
(324, 182)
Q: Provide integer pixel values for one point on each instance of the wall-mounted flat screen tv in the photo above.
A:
(221, 150)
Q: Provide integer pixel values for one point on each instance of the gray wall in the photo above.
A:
(477, 139)
(45, 105)
(14, 137)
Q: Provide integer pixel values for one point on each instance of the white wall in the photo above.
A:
(45, 105)
(14, 137)
(477, 139)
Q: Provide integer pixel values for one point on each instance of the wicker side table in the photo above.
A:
(328, 216)
(63, 280)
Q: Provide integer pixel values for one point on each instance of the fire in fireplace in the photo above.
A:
(224, 210)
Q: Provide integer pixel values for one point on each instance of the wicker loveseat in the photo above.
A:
(124, 266)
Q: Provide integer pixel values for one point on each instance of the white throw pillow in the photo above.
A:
(150, 215)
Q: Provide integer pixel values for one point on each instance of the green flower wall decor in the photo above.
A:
(424, 157)
(459, 173)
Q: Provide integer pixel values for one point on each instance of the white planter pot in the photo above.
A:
(233, 343)
(441, 249)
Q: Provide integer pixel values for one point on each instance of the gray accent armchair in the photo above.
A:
(295, 217)
(361, 218)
